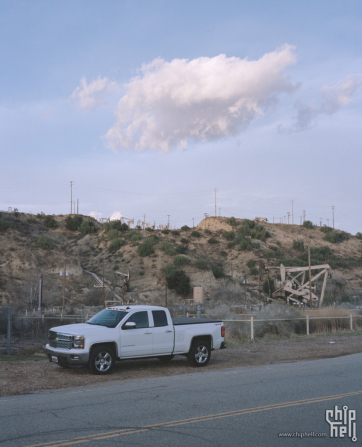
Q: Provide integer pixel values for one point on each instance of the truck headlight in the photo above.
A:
(78, 342)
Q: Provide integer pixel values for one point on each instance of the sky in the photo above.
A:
(149, 106)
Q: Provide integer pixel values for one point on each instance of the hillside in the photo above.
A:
(217, 255)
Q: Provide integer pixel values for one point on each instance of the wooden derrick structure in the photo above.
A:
(294, 286)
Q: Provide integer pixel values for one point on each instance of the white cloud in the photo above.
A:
(95, 214)
(335, 96)
(91, 95)
(203, 99)
(116, 215)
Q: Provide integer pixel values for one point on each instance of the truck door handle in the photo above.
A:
(168, 331)
(148, 332)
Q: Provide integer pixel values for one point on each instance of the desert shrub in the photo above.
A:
(168, 248)
(40, 215)
(87, 227)
(229, 235)
(146, 248)
(308, 224)
(180, 260)
(184, 241)
(326, 229)
(169, 269)
(50, 222)
(134, 236)
(208, 232)
(179, 281)
(334, 237)
(200, 264)
(255, 245)
(218, 271)
(254, 272)
(268, 254)
(231, 221)
(73, 223)
(231, 245)
(185, 228)
(298, 245)
(113, 234)
(3, 225)
(116, 244)
(244, 245)
(268, 286)
(212, 240)
(44, 242)
(359, 235)
(259, 232)
(284, 328)
(115, 225)
(181, 249)
(165, 231)
(175, 233)
(195, 234)
(149, 229)
(251, 263)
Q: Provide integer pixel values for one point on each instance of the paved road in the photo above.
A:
(235, 407)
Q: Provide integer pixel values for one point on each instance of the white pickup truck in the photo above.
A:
(126, 332)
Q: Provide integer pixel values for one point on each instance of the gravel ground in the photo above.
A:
(30, 376)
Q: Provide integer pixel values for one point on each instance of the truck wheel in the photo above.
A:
(199, 354)
(166, 358)
(101, 360)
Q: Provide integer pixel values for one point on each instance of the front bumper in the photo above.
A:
(72, 357)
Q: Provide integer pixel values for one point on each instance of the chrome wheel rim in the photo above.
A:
(103, 361)
(201, 354)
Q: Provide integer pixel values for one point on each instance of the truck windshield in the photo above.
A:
(108, 318)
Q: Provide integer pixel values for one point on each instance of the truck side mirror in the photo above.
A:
(129, 325)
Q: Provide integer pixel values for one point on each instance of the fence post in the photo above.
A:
(9, 331)
(252, 328)
(198, 311)
(351, 322)
(82, 314)
(307, 324)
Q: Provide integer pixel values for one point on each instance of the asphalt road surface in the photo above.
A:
(234, 407)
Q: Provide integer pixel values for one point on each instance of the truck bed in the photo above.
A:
(187, 320)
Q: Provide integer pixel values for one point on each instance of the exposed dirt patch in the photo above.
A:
(23, 377)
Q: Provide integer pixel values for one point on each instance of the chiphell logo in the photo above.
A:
(342, 423)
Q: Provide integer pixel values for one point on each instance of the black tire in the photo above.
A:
(102, 359)
(200, 353)
(166, 358)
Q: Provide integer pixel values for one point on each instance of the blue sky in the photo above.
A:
(158, 139)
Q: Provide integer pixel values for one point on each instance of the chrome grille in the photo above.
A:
(59, 340)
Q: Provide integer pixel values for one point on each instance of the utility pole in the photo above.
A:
(320, 223)
(292, 213)
(166, 294)
(205, 219)
(104, 299)
(301, 220)
(122, 287)
(333, 215)
(193, 223)
(77, 206)
(288, 217)
(73, 206)
(219, 212)
(71, 196)
(273, 219)
(40, 293)
(144, 221)
(303, 216)
(215, 203)
(310, 277)
(168, 225)
(65, 275)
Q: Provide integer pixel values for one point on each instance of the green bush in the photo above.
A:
(115, 225)
(200, 264)
(134, 236)
(44, 242)
(175, 233)
(231, 221)
(359, 235)
(181, 249)
(165, 231)
(181, 260)
(254, 271)
(168, 248)
(40, 215)
(326, 229)
(251, 263)
(50, 222)
(212, 240)
(146, 248)
(208, 232)
(169, 269)
(178, 281)
(116, 244)
(87, 227)
(335, 237)
(185, 228)
(229, 235)
(73, 223)
(195, 234)
(231, 245)
(244, 245)
(113, 234)
(259, 232)
(308, 224)
(3, 225)
(298, 245)
(255, 245)
(218, 272)
(184, 241)
(268, 287)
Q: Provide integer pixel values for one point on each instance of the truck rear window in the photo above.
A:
(159, 318)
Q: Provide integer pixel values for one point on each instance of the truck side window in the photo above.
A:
(159, 318)
(140, 318)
